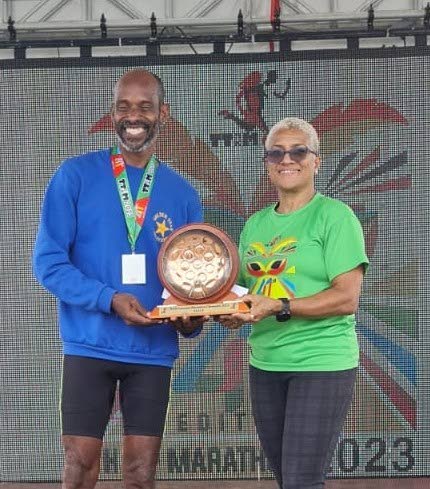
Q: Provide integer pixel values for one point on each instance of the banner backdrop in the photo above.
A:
(371, 113)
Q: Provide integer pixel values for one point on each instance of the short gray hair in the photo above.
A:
(299, 125)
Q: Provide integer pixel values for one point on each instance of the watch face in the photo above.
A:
(284, 314)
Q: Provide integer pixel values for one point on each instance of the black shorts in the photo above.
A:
(88, 393)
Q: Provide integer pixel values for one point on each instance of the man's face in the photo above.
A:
(137, 113)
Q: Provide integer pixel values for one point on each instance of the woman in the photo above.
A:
(303, 261)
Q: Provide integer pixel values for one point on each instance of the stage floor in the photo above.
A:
(401, 483)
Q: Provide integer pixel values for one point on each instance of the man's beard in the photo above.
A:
(152, 131)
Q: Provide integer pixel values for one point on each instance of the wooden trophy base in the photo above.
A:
(174, 307)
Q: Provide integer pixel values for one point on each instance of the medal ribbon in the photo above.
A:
(134, 214)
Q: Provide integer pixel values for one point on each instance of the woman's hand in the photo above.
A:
(260, 308)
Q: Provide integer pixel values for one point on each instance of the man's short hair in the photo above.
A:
(161, 92)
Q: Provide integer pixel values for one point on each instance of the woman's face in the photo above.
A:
(296, 171)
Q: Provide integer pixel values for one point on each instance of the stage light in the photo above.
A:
(153, 26)
(103, 28)
(370, 18)
(426, 21)
(276, 23)
(11, 29)
(240, 23)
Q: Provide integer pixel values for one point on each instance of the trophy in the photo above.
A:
(198, 266)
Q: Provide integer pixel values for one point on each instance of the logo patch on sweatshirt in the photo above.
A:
(163, 226)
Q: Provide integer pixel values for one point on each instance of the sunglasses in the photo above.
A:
(297, 154)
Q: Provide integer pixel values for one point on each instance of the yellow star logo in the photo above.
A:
(161, 228)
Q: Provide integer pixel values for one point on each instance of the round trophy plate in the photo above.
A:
(198, 263)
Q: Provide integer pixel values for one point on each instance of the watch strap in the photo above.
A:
(285, 313)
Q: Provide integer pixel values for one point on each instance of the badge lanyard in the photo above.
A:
(134, 214)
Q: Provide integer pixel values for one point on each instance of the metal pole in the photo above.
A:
(261, 23)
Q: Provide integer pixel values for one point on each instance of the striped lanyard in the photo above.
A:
(134, 214)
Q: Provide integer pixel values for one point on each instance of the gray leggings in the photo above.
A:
(299, 417)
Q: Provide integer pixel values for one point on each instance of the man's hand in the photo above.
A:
(187, 325)
(232, 321)
(127, 307)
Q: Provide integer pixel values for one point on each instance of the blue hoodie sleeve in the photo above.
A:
(195, 209)
(55, 238)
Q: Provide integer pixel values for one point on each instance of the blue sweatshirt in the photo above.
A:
(77, 256)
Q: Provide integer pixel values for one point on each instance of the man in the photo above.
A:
(104, 218)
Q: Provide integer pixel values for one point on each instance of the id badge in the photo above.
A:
(134, 269)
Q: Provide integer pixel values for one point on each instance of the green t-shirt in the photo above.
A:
(298, 255)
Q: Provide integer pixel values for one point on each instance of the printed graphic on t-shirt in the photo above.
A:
(267, 267)
(163, 226)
